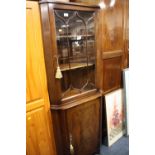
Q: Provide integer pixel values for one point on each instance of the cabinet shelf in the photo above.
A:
(73, 36)
(78, 57)
(65, 67)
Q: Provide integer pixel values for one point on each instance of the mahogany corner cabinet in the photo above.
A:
(70, 38)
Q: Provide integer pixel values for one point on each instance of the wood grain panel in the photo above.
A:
(112, 74)
(73, 6)
(126, 34)
(112, 54)
(99, 63)
(37, 136)
(77, 102)
(89, 2)
(33, 91)
(39, 129)
(50, 48)
(112, 42)
(83, 125)
(34, 104)
(112, 25)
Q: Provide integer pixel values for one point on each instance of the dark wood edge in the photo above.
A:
(76, 97)
(101, 119)
(32, 0)
(69, 7)
(57, 132)
(49, 45)
(69, 3)
(76, 103)
(104, 115)
(110, 90)
(112, 54)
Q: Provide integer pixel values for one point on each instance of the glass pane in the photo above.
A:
(76, 50)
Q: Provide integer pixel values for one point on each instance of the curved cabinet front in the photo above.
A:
(77, 129)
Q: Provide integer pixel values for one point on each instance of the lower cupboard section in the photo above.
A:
(78, 129)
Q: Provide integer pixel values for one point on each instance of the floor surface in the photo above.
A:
(121, 147)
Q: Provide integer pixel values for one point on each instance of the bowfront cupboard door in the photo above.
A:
(39, 131)
(84, 127)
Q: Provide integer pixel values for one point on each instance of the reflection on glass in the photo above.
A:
(76, 50)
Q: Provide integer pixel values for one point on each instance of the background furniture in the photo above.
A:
(114, 45)
(39, 127)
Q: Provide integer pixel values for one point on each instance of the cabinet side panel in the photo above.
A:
(49, 53)
(99, 64)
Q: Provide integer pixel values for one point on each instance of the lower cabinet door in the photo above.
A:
(78, 130)
(84, 128)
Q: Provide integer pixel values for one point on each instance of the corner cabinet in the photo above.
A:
(70, 37)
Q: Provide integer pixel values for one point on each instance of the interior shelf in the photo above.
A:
(65, 67)
(74, 36)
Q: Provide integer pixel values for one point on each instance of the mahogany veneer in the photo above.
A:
(77, 117)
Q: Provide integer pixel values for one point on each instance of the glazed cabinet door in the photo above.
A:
(39, 134)
(69, 35)
(75, 31)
